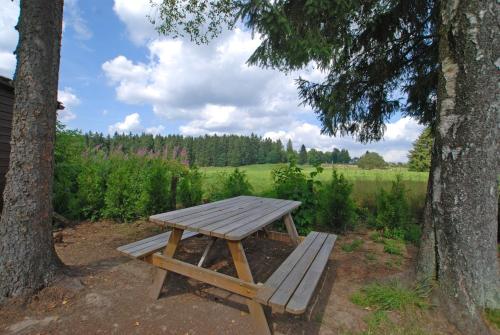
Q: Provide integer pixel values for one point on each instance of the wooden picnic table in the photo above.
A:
(232, 220)
(288, 289)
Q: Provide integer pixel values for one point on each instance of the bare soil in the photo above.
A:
(104, 292)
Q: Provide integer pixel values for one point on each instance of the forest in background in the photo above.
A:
(211, 150)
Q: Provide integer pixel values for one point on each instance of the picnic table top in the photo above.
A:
(231, 219)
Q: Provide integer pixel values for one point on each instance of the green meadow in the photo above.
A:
(366, 183)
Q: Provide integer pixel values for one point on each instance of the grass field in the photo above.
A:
(366, 183)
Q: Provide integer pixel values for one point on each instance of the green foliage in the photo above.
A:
(368, 49)
(67, 157)
(155, 188)
(419, 157)
(393, 247)
(123, 189)
(393, 214)
(392, 296)
(200, 20)
(493, 316)
(353, 246)
(302, 155)
(291, 183)
(371, 160)
(190, 189)
(230, 185)
(336, 208)
(92, 186)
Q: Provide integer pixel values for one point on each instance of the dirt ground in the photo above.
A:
(105, 292)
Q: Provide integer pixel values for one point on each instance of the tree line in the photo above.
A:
(213, 150)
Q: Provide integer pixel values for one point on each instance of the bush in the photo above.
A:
(155, 187)
(68, 151)
(92, 185)
(371, 160)
(123, 191)
(292, 184)
(393, 214)
(336, 208)
(190, 188)
(230, 185)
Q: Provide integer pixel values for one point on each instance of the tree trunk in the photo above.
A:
(464, 188)
(27, 257)
(426, 259)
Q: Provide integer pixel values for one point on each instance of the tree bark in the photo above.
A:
(464, 188)
(28, 260)
(426, 258)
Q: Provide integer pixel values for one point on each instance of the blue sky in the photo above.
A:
(118, 74)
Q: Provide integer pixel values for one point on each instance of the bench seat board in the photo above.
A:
(291, 286)
(150, 245)
(304, 292)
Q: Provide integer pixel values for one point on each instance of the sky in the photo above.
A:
(118, 74)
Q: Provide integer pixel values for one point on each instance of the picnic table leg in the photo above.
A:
(161, 274)
(290, 228)
(205, 253)
(244, 273)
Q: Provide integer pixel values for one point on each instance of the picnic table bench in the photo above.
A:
(289, 289)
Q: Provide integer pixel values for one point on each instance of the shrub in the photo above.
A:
(68, 149)
(393, 213)
(390, 297)
(292, 184)
(155, 187)
(230, 185)
(336, 208)
(92, 185)
(124, 189)
(190, 188)
(493, 316)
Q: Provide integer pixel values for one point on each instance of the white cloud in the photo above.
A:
(69, 99)
(8, 37)
(156, 130)
(131, 123)
(135, 16)
(73, 19)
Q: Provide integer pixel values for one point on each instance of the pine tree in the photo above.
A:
(419, 158)
(302, 155)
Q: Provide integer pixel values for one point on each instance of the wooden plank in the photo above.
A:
(246, 230)
(161, 275)
(151, 247)
(204, 217)
(290, 227)
(284, 292)
(163, 217)
(220, 228)
(231, 284)
(244, 273)
(304, 292)
(275, 280)
(149, 239)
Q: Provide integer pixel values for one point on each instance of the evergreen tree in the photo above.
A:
(302, 155)
(419, 158)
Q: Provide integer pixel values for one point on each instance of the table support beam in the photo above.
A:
(207, 250)
(228, 283)
(244, 273)
(290, 228)
(169, 251)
